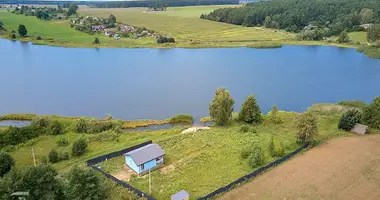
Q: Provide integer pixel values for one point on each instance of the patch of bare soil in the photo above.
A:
(124, 174)
(167, 169)
(343, 169)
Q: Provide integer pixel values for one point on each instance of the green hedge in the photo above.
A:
(181, 119)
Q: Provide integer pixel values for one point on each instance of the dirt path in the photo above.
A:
(344, 169)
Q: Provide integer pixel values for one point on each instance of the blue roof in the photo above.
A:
(180, 195)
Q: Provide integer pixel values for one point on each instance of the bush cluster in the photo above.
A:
(79, 147)
(349, 119)
(256, 158)
(86, 125)
(17, 135)
(110, 135)
(371, 114)
(181, 118)
(306, 125)
(254, 154)
(244, 128)
(63, 141)
(164, 39)
(276, 149)
(6, 163)
(53, 126)
(55, 156)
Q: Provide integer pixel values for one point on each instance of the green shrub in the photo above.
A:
(250, 111)
(245, 153)
(41, 121)
(6, 163)
(244, 128)
(253, 130)
(256, 158)
(55, 127)
(63, 141)
(271, 149)
(353, 103)
(53, 156)
(44, 160)
(349, 119)
(79, 147)
(371, 114)
(181, 118)
(17, 135)
(306, 125)
(63, 156)
(274, 118)
(205, 119)
(105, 136)
(86, 125)
(280, 149)
(96, 41)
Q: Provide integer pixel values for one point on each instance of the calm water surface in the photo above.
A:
(158, 83)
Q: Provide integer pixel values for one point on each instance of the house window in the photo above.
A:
(142, 167)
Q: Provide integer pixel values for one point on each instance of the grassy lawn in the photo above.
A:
(59, 33)
(184, 24)
(204, 161)
(358, 37)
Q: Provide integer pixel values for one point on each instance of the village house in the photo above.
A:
(98, 28)
(145, 158)
(124, 28)
(109, 33)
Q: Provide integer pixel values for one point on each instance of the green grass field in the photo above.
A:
(59, 33)
(184, 24)
(197, 162)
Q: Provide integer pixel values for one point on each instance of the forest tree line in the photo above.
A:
(322, 18)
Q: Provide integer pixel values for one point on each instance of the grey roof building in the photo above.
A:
(360, 129)
(145, 158)
(181, 195)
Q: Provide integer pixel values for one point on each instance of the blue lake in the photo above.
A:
(159, 83)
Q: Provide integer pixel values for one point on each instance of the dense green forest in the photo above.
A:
(329, 17)
(169, 3)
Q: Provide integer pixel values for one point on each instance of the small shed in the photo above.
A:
(181, 195)
(360, 129)
(145, 158)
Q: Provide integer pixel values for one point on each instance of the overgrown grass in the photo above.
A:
(185, 25)
(205, 119)
(353, 103)
(21, 117)
(371, 52)
(261, 45)
(210, 154)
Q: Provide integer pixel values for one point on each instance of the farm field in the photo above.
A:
(185, 25)
(59, 33)
(203, 161)
(343, 169)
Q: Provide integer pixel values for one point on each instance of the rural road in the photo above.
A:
(343, 169)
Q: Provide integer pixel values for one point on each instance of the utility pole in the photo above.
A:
(150, 186)
(34, 158)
